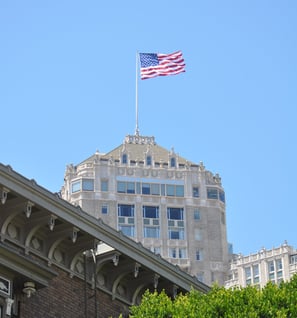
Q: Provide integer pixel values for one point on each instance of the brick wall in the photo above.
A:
(65, 298)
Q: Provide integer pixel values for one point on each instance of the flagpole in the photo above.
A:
(136, 97)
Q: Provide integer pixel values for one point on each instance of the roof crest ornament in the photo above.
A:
(142, 140)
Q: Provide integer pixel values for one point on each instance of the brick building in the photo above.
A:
(58, 261)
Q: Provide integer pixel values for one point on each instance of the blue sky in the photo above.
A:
(67, 88)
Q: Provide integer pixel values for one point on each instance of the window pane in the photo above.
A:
(212, 193)
(88, 185)
(153, 232)
(148, 160)
(146, 188)
(172, 252)
(155, 189)
(104, 209)
(130, 187)
(121, 187)
(126, 210)
(195, 192)
(127, 230)
(222, 196)
(124, 158)
(175, 213)
(150, 212)
(179, 191)
(172, 162)
(76, 186)
(176, 234)
(182, 253)
(170, 190)
(104, 185)
(196, 215)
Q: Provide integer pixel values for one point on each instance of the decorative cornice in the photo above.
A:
(141, 140)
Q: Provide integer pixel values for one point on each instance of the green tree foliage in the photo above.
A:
(272, 301)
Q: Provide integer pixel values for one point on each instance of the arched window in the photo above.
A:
(124, 158)
(172, 162)
(148, 160)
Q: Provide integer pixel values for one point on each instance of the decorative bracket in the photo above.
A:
(3, 195)
(51, 222)
(75, 230)
(156, 280)
(28, 209)
(136, 269)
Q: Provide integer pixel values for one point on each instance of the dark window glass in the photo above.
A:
(125, 210)
(124, 158)
(175, 213)
(195, 192)
(146, 188)
(172, 162)
(130, 187)
(222, 196)
(212, 193)
(148, 160)
(150, 212)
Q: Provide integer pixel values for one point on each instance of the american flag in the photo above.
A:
(157, 64)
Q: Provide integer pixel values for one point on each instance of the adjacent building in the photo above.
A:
(172, 206)
(275, 265)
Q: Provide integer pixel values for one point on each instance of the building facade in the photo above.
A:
(172, 206)
(275, 265)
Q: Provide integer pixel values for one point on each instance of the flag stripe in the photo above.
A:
(159, 64)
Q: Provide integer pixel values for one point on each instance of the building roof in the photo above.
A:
(37, 223)
(137, 148)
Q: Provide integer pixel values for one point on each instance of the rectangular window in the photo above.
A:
(170, 190)
(150, 212)
(146, 189)
(175, 213)
(121, 187)
(127, 230)
(196, 215)
(176, 234)
(198, 255)
(162, 189)
(248, 275)
(104, 209)
(104, 185)
(195, 192)
(222, 196)
(179, 190)
(155, 189)
(172, 252)
(76, 186)
(182, 253)
(151, 231)
(212, 193)
(126, 210)
(271, 271)
(130, 187)
(88, 184)
(293, 259)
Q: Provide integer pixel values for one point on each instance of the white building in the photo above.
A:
(172, 206)
(275, 265)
